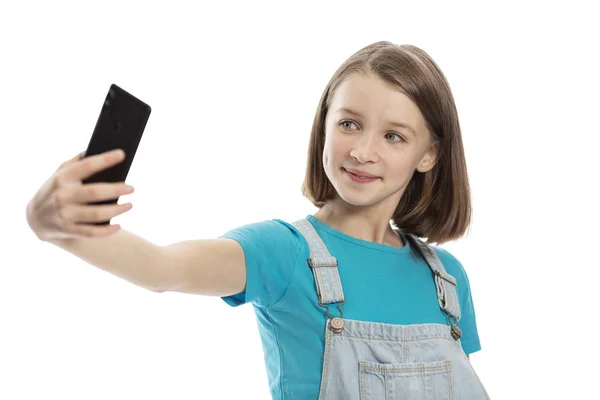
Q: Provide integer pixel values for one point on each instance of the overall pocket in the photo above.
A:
(423, 380)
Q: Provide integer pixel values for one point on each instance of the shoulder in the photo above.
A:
(271, 251)
(468, 321)
(268, 233)
(272, 241)
(454, 267)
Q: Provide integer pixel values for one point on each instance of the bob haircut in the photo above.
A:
(435, 205)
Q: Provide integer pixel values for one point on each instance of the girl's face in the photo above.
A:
(372, 128)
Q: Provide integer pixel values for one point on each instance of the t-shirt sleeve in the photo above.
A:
(271, 249)
(468, 324)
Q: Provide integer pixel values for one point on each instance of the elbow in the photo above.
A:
(157, 289)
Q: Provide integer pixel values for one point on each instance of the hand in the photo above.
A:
(60, 209)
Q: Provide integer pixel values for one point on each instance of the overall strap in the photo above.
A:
(444, 282)
(323, 265)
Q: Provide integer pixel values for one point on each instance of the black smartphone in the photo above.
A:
(121, 123)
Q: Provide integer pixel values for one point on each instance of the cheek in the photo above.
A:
(326, 152)
(334, 150)
(404, 169)
(325, 158)
(328, 149)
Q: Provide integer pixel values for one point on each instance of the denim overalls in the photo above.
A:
(369, 360)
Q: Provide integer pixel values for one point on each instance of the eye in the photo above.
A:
(345, 124)
(399, 138)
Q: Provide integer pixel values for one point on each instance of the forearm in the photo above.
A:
(123, 254)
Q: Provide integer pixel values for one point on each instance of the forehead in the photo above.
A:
(375, 98)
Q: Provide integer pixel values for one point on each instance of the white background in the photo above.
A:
(233, 89)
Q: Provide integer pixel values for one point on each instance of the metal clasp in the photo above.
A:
(454, 329)
(337, 323)
(438, 273)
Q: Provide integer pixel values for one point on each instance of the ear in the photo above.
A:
(429, 158)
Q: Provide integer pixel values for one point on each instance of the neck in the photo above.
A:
(365, 224)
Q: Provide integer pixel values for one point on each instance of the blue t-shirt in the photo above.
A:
(381, 283)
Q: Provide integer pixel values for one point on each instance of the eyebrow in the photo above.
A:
(397, 124)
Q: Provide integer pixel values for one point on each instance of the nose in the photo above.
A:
(365, 148)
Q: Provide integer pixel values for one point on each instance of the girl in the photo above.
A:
(350, 302)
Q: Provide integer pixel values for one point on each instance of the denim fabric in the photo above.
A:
(369, 360)
(445, 283)
(327, 278)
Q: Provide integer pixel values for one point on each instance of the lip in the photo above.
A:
(360, 173)
(358, 180)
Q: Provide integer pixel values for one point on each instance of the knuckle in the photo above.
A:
(84, 230)
(63, 214)
(90, 232)
(70, 227)
(93, 191)
(95, 214)
(97, 232)
(88, 164)
(58, 181)
(60, 198)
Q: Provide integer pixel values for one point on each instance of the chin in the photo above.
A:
(357, 199)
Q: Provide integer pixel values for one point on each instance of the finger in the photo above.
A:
(87, 230)
(76, 213)
(91, 165)
(78, 157)
(94, 192)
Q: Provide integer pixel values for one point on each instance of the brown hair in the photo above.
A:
(437, 204)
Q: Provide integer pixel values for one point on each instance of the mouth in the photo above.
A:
(359, 178)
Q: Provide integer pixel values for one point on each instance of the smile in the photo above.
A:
(359, 179)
